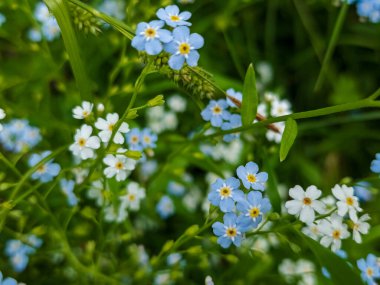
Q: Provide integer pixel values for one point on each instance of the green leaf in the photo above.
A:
(250, 99)
(341, 272)
(60, 12)
(290, 134)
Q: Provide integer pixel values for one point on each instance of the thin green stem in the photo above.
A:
(332, 44)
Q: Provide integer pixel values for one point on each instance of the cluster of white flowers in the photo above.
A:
(302, 270)
(117, 165)
(338, 214)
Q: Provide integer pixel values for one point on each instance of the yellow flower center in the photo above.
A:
(175, 18)
(307, 201)
(231, 232)
(216, 110)
(132, 197)
(134, 139)
(350, 201)
(225, 191)
(150, 33)
(369, 271)
(82, 142)
(336, 234)
(41, 168)
(254, 212)
(184, 48)
(84, 113)
(147, 139)
(110, 127)
(119, 165)
(251, 178)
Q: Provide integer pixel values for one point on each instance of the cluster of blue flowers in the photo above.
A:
(18, 136)
(18, 252)
(179, 42)
(140, 140)
(218, 114)
(370, 269)
(243, 212)
(49, 26)
(368, 9)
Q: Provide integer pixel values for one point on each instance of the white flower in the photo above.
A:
(112, 214)
(347, 201)
(84, 144)
(118, 165)
(273, 136)
(134, 195)
(208, 280)
(82, 112)
(80, 174)
(360, 227)
(305, 203)
(329, 201)
(106, 127)
(312, 230)
(98, 193)
(333, 231)
(2, 116)
(177, 103)
(280, 108)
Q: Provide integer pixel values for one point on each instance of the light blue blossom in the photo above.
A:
(183, 48)
(34, 35)
(361, 190)
(230, 231)
(253, 209)
(2, 19)
(172, 16)
(250, 176)
(113, 8)
(176, 189)
(45, 172)
(234, 122)
(134, 139)
(235, 95)
(50, 29)
(149, 37)
(369, 269)
(173, 258)
(34, 241)
(375, 164)
(224, 194)
(369, 9)
(148, 138)
(41, 12)
(216, 112)
(19, 261)
(165, 207)
(67, 187)
(19, 252)
(7, 281)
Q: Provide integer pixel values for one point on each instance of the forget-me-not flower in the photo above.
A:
(148, 138)
(165, 207)
(183, 48)
(134, 139)
(172, 16)
(369, 269)
(230, 231)
(251, 177)
(233, 122)
(45, 172)
(7, 281)
(150, 36)
(253, 209)
(224, 193)
(67, 187)
(233, 95)
(375, 164)
(216, 112)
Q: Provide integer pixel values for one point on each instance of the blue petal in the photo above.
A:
(172, 9)
(216, 121)
(181, 33)
(238, 195)
(226, 205)
(161, 14)
(237, 241)
(254, 198)
(241, 173)
(217, 184)
(165, 36)
(214, 198)
(171, 47)
(362, 264)
(156, 23)
(193, 57)
(262, 176)
(257, 186)
(252, 167)
(265, 205)
(185, 15)
(224, 242)
(206, 114)
(176, 61)
(233, 182)
(218, 228)
(153, 47)
(242, 206)
(9, 281)
(141, 27)
(229, 219)
(138, 42)
(196, 41)
(53, 169)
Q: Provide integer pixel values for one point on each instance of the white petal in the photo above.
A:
(307, 215)
(86, 131)
(297, 193)
(326, 241)
(93, 142)
(356, 236)
(319, 206)
(338, 193)
(313, 193)
(109, 160)
(112, 118)
(118, 138)
(124, 128)
(101, 124)
(293, 206)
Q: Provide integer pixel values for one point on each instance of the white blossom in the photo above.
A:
(82, 112)
(107, 125)
(2, 116)
(348, 203)
(118, 165)
(84, 144)
(134, 195)
(177, 103)
(360, 227)
(333, 231)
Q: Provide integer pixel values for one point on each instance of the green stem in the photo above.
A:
(332, 44)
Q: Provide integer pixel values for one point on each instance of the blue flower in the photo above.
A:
(229, 232)
(148, 138)
(165, 207)
(46, 171)
(134, 139)
(216, 112)
(176, 189)
(253, 209)
(149, 37)
(250, 177)
(184, 47)
(224, 193)
(50, 29)
(34, 35)
(369, 269)
(375, 164)
(234, 122)
(7, 281)
(173, 17)
(67, 187)
(35, 241)
(19, 261)
(362, 192)
(2, 19)
(235, 95)
(369, 9)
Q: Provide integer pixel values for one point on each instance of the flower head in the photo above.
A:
(253, 209)
(134, 195)
(107, 125)
(134, 139)
(333, 231)
(45, 172)
(359, 226)
(172, 16)
(84, 144)
(183, 48)
(347, 202)
(234, 122)
(118, 165)
(148, 138)
(83, 111)
(224, 193)
(150, 36)
(216, 112)
(165, 207)
(7, 281)
(369, 268)
(305, 203)
(250, 176)
(230, 231)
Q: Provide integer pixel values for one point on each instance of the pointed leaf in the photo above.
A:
(288, 137)
(250, 99)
